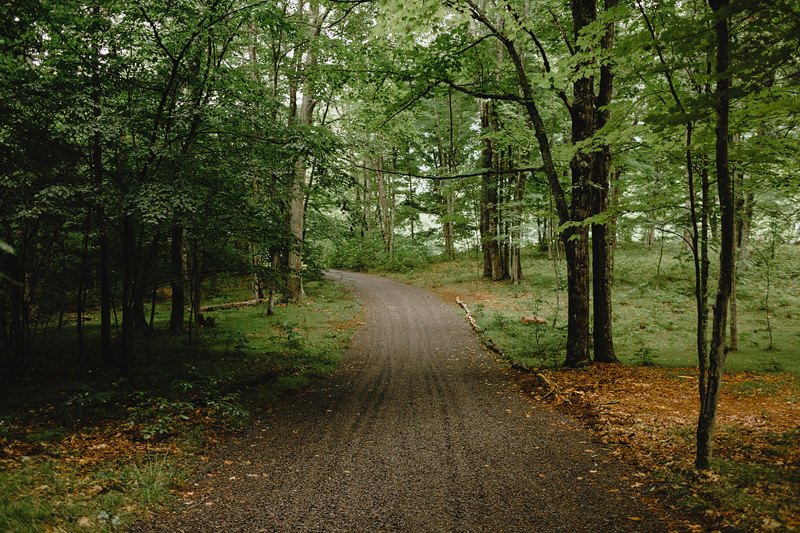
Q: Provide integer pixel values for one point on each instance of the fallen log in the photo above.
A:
(231, 305)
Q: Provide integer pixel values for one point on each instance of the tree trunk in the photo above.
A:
(294, 285)
(602, 265)
(740, 215)
(487, 162)
(178, 294)
(128, 274)
(733, 317)
(576, 245)
(493, 230)
(717, 353)
(577, 338)
(449, 227)
(516, 233)
(103, 266)
(81, 297)
(449, 244)
(493, 199)
(576, 241)
(743, 235)
(383, 206)
(296, 205)
(650, 236)
(601, 288)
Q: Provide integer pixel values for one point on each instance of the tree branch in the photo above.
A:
(480, 94)
(480, 172)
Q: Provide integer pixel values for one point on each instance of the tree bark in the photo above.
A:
(493, 200)
(448, 229)
(487, 161)
(178, 293)
(576, 240)
(717, 352)
(516, 234)
(602, 274)
(383, 206)
(296, 205)
(103, 266)
(128, 274)
(576, 245)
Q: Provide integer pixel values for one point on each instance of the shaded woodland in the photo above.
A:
(149, 148)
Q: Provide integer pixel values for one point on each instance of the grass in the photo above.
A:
(85, 447)
(654, 308)
(47, 493)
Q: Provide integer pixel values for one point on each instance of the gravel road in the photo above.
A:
(418, 430)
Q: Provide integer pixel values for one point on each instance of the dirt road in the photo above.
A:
(418, 430)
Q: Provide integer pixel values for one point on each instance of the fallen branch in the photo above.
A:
(489, 343)
(469, 316)
(553, 390)
(230, 305)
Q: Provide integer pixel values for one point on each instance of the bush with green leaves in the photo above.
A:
(367, 254)
(357, 254)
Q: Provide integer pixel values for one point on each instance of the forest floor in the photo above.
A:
(646, 410)
(419, 429)
(87, 447)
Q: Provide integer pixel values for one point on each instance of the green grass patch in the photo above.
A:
(49, 494)
(654, 307)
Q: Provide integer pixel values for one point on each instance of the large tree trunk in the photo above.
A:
(581, 166)
(577, 334)
(601, 290)
(493, 201)
(294, 284)
(717, 353)
(178, 293)
(576, 245)
(602, 264)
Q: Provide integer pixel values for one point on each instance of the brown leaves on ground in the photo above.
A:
(83, 449)
(648, 416)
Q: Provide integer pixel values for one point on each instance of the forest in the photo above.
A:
(610, 189)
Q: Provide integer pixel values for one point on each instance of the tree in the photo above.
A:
(711, 376)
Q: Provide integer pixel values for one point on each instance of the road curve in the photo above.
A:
(418, 430)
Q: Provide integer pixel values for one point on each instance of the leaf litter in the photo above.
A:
(647, 416)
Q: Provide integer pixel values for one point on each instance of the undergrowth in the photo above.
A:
(84, 447)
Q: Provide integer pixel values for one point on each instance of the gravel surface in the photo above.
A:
(418, 430)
